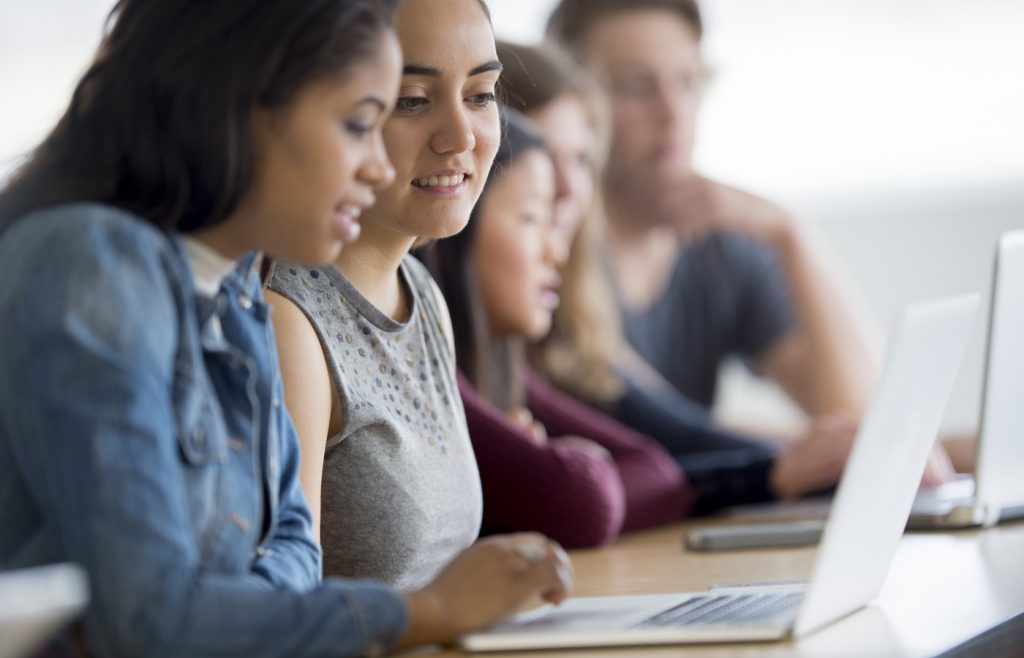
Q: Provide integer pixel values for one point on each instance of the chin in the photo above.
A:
(441, 227)
(538, 330)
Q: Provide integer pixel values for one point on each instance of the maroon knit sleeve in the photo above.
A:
(656, 488)
(570, 495)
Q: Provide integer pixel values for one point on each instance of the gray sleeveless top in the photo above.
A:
(401, 491)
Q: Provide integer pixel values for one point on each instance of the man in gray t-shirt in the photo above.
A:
(704, 270)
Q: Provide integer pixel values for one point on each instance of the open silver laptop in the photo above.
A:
(35, 603)
(997, 492)
(867, 519)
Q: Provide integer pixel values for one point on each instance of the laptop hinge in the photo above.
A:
(989, 514)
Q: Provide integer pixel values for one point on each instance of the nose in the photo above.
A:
(668, 106)
(377, 171)
(556, 247)
(454, 133)
(563, 179)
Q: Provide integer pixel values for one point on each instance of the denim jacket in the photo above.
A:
(143, 436)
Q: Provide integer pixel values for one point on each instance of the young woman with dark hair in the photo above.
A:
(142, 433)
(369, 372)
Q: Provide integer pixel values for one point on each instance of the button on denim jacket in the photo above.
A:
(142, 435)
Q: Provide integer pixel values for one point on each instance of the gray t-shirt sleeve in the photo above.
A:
(763, 299)
(727, 296)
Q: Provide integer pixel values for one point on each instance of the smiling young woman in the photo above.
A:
(366, 347)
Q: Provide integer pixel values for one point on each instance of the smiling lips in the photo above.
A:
(448, 184)
(346, 221)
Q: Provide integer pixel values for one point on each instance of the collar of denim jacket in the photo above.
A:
(209, 268)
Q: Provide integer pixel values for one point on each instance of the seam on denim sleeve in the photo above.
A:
(357, 613)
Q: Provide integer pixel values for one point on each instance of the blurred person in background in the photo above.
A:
(700, 270)
(585, 354)
(549, 462)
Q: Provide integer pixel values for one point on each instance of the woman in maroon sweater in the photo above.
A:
(547, 462)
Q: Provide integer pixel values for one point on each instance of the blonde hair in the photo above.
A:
(586, 333)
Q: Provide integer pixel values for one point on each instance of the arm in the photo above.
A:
(89, 355)
(831, 363)
(571, 495)
(656, 488)
(292, 557)
(308, 394)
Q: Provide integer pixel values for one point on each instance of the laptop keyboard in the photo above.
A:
(728, 609)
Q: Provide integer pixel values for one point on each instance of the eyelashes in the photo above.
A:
(411, 104)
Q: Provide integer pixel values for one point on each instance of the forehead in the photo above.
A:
(642, 38)
(445, 34)
(530, 175)
(564, 120)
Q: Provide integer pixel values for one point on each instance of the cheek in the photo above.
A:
(505, 268)
(488, 138)
(401, 143)
(583, 186)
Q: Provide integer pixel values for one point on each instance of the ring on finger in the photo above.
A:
(531, 552)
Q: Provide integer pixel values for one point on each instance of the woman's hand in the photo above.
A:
(485, 584)
(521, 416)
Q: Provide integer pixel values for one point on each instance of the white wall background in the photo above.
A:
(897, 125)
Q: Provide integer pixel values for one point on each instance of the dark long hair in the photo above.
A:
(492, 364)
(160, 124)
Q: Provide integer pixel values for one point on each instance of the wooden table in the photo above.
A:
(943, 590)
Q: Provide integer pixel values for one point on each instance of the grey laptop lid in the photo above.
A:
(1000, 463)
(881, 477)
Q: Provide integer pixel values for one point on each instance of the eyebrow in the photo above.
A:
(416, 69)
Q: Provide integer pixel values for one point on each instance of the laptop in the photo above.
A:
(996, 493)
(35, 603)
(873, 501)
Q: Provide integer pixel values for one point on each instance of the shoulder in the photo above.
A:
(289, 319)
(76, 227)
(300, 284)
(428, 291)
(88, 248)
(83, 266)
(731, 250)
(418, 275)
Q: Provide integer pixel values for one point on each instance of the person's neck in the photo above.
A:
(371, 265)
(641, 254)
(222, 239)
(628, 229)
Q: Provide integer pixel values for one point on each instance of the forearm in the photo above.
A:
(218, 615)
(571, 496)
(832, 364)
(655, 488)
